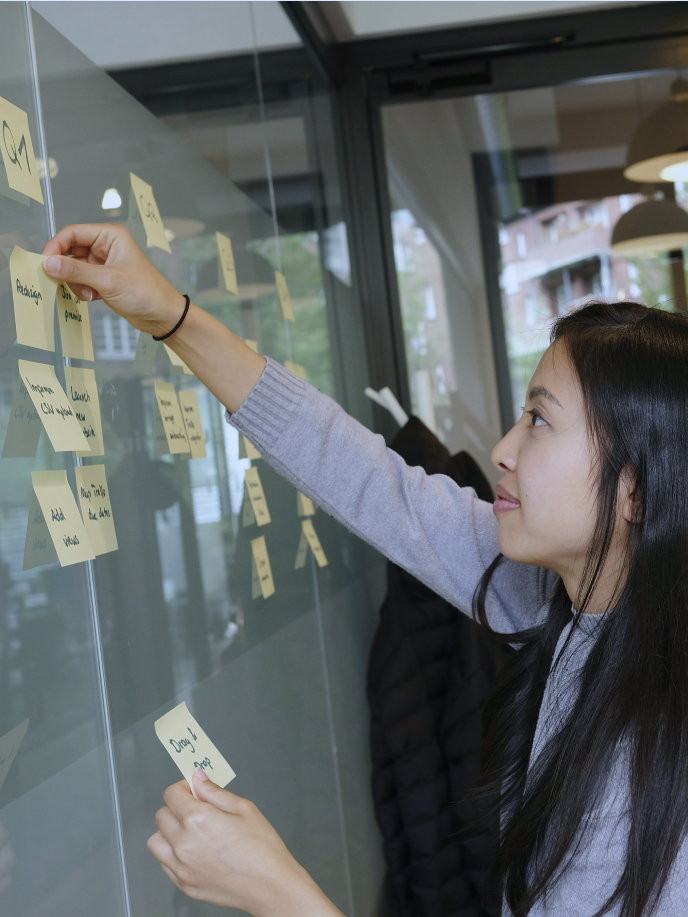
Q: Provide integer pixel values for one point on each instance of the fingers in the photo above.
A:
(162, 851)
(179, 800)
(82, 237)
(207, 791)
(80, 273)
(168, 824)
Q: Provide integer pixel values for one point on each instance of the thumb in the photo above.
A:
(210, 792)
(84, 278)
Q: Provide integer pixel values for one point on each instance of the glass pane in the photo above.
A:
(57, 809)
(278, 683)
(536, 177)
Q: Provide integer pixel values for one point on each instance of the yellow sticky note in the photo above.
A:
(248, 517)
(54, 409)
(96, 509)
(178, 365)
(9, 746)
(314, 542)
(39, 550)
(304, 505)
(252, 344)
(75, 324)
(262, 562)
(257, 496)
(256, 591)
(171, 417)
(192, 421)
(160, 445)
(33, 293)
(82, 391)
(62, 516)
(24, 428)
(247, 449)
(226, 261)
(146, 352)
(189, 747)
(284, 297)
(296, 369)
(144, 213)
(17, 152)
(302, 552)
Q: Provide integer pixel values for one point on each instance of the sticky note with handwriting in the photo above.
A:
(82, 391)
(39, 550)
(144, 215)
(171, 417)
(227, 269)
(178, 365)
(75, 324)
(62, 517)
(96, 508)
(33, 294)
(304, 505)
(262, 568)
(284, 297)
(24, 427)
(310, 539)
(146, 352)
(192, 421)
(257, 496)
(248, 517)
(9, 746)
(296, 369)
(17, 152)
(189, 747)
(247, 449)
(54, 409)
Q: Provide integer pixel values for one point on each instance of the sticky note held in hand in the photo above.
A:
(189, 747)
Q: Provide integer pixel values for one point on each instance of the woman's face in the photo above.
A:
(546, 504)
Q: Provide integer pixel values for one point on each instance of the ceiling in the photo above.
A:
(354, 19)
(117, 34)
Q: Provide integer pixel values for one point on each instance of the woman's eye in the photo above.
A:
(535, 419)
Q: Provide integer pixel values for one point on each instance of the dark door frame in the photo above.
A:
(366, 75)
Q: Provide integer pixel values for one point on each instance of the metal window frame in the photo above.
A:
(367, 74)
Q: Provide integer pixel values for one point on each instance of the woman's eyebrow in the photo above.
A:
(540, 390)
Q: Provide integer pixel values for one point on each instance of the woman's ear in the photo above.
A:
(631, 505)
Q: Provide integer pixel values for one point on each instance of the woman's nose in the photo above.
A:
(505, 453)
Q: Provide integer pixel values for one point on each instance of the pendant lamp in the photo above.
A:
(658, 150)
(651, 226)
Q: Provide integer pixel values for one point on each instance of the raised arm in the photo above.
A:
(439, 532)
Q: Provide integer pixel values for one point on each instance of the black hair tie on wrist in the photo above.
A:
(178, 325)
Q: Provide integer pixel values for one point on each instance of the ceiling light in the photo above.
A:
(651, 226)
(678, 171)
(660, 141)
(111, 199)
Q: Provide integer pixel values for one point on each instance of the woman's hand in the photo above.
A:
(220, 849)
(102, 261)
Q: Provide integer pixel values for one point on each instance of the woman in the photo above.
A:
(587, 743)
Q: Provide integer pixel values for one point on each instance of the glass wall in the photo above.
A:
(94, 653)
(509, 200)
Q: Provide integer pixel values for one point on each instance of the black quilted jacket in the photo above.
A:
(431, 669)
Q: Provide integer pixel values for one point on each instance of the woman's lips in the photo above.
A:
(504, 500)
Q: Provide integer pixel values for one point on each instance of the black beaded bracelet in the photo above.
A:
(178, 325)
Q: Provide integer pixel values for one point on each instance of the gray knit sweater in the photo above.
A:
(446, 537)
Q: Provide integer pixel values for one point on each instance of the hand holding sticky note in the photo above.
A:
(189, 747)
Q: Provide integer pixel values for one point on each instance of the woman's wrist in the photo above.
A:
(301, 897)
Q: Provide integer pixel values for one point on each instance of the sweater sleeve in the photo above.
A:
(440, 532)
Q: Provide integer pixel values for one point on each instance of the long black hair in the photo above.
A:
(632, 365)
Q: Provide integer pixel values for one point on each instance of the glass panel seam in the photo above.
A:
(91, 589)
